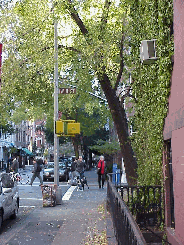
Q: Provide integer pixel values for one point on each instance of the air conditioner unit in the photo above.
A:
(148, 51)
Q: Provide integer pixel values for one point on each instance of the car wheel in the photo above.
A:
(66, 177)
(15, 212)
(1, 218)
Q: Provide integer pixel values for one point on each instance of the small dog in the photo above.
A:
(73, 181)
(81, 183)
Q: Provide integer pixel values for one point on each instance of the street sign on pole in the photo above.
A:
(67, 128)
(67, 90)
(56, 140)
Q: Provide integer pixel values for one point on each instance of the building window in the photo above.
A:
(19, 136)
(171, 186)
(24, 136)
(39, 143)
(16, 134)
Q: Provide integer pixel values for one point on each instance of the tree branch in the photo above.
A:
(127, 94)
(62, 46)
(76, 18)
(69, 48)
(121, 63)
(104, 17)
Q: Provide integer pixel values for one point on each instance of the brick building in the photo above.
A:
(174, 137)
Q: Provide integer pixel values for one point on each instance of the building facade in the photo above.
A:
(174, 137)
(27, 140)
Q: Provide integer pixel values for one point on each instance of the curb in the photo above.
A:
(111, 238)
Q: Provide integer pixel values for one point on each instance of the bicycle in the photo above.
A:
(22, 178)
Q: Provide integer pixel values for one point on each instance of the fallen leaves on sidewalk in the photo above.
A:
(97, 239)
(96, 236)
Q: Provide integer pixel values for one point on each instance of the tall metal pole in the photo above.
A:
(56, 140)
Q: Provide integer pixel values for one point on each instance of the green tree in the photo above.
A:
(92, 51)
(89, 122)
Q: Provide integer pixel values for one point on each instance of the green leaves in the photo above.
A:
(105, 147)
(151, 85)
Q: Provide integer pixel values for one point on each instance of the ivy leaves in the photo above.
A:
(151, 85)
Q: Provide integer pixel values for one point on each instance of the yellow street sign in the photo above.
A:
(73, 128)
(67, 128)
(59, 127)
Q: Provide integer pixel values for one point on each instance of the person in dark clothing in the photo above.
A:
(9, 163)
(101, 172)
(80, 167)
(73, 168)
(15, 165)
(36, 172)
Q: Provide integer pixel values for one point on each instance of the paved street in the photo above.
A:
(79, 218)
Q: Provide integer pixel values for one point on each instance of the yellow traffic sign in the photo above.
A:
(67, 128)
(59, 128)
(73, 128)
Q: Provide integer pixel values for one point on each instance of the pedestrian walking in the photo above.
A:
(73, 168)
(101, 172)
(9, 163)
(80, 167)
(36, 172)
(15, 165)
(45, 162)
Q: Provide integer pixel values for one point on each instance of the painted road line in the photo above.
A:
(68, 194)
(29, 198)
(38, 185)
(27, 206)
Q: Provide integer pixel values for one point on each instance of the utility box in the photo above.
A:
(59, 127)
(73, 128)
(148, 51)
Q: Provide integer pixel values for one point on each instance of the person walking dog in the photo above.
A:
(101, 172)
(36, 172)
(80, 167)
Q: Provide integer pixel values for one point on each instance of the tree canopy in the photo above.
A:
(98, 48)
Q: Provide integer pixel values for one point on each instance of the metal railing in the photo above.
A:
(145, 202)
(127, 231)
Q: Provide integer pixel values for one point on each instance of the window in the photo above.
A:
(171, 186)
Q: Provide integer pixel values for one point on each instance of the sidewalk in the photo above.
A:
(81, 220)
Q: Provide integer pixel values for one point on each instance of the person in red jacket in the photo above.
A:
(101, 172)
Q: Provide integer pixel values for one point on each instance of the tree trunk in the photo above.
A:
(76, 146)
(121, 124)
(90, 159)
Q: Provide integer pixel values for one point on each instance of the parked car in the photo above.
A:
(63, 172)
(48, 172)
(9, 197)
(61, 159)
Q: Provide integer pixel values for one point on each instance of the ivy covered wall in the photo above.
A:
(150, 83)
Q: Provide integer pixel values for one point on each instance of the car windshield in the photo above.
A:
(49, 166)
(62, 166)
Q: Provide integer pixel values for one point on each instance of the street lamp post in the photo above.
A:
(56, 176)
(56, 139)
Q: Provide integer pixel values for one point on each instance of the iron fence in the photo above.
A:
(145, 203)
(127, 231)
